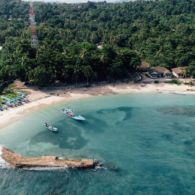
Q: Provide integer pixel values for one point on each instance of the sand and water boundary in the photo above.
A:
(43, 98)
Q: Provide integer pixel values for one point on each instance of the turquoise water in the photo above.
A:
(146, 141)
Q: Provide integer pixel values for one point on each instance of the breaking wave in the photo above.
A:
(3, 163)
(44, 168)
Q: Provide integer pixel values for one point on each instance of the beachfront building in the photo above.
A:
(179, 72)
(160, 72)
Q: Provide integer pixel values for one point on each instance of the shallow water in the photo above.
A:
(147, 142)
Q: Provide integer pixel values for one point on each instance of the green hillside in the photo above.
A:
(159, 32)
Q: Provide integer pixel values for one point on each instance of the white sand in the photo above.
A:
(40, 99)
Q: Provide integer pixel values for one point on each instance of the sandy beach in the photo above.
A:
(41, 98)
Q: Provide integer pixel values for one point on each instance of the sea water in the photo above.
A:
(145, 141)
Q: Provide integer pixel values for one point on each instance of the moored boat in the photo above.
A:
(79, 118)
(68, 112)
(51, 128)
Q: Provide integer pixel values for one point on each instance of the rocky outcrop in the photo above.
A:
(18, 161)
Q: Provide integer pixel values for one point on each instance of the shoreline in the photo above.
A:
(40, 99)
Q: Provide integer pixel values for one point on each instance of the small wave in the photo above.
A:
(100, 168)
(3, 163)
(44, 168)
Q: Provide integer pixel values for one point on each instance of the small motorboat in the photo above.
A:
(51, 128)
(79, 118)
(68, 112)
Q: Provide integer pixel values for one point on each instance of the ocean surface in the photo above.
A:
(146, 142)
(80, 1)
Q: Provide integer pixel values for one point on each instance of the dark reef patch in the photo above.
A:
(67, 138)
(179, 110)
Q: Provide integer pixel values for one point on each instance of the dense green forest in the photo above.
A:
(161, 32)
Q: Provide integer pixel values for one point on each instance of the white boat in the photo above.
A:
(51, 128)
(79, 118)
(68, 112)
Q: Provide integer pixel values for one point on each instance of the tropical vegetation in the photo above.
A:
(95, 41)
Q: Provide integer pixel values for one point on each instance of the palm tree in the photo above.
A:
(88, 72)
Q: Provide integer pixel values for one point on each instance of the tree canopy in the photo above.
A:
(160, 32)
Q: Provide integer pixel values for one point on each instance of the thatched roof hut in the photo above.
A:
(179, 72)
(161, 71)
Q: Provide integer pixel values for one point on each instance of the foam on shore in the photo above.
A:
(45, 168)
(3, 163)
